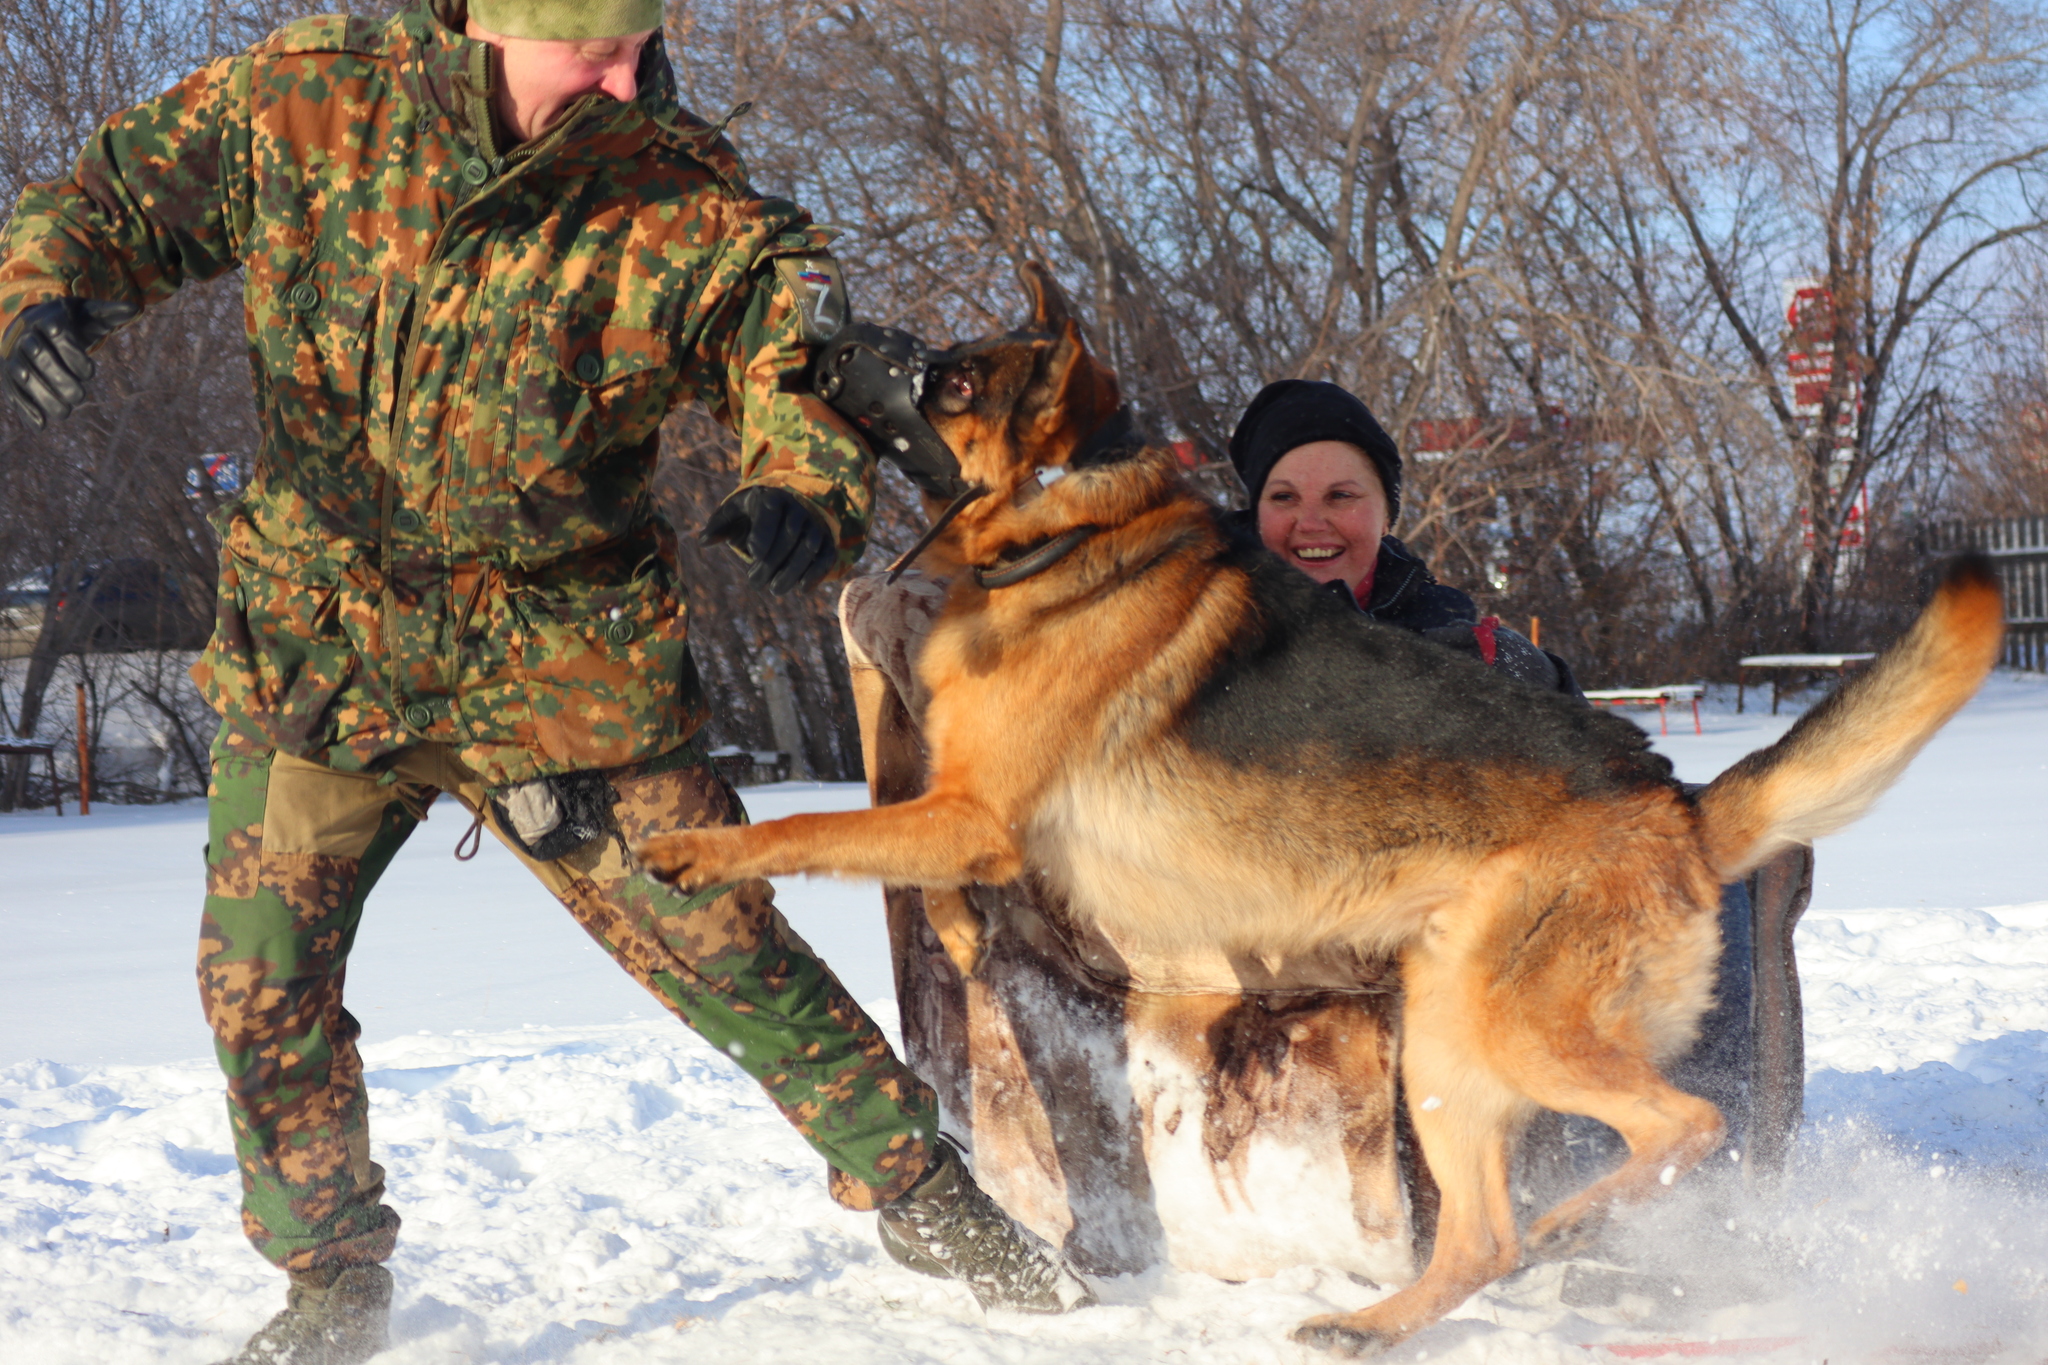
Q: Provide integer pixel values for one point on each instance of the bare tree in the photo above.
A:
(1543, 238)
(126, 480)
(1887, 150)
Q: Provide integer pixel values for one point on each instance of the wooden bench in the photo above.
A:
(1659, 697)
(28, 748)
(1779, 664)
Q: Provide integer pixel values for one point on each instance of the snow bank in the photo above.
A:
(1931, 1029)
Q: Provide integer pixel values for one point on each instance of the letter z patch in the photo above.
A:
(820, 294)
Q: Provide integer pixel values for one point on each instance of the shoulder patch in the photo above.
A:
(327, 33)
(820, 290)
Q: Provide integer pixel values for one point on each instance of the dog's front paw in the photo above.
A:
(959, 928)
(1341, 1335)
(692, 859)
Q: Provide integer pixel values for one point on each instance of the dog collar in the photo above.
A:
(1007, 572)
(953, 510)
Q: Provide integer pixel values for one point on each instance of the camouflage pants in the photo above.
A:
(293, 850)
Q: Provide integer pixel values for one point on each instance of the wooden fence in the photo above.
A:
(2019, 547)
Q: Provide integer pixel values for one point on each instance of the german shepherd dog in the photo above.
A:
(1199, 745)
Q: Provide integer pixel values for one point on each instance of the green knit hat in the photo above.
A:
(574, 20)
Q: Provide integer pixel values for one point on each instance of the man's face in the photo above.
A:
(542, 77)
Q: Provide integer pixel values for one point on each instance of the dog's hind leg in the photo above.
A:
(1465, 1121)
(939, 839)
(1578, 1025)
(1668, 1133)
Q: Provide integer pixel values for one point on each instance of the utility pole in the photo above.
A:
(84, 757)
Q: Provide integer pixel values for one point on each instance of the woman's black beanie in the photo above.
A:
(1294, 412)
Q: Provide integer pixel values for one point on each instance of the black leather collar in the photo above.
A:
(1007, 572)
(1116, 439)
(953, 509)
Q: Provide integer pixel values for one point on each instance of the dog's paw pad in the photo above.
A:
(1331, 1334)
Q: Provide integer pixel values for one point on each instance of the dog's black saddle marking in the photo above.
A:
(1313, 684)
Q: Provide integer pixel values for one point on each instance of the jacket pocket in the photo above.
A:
(316, 357)
(584, 389)
(602, 666)
(279, 655)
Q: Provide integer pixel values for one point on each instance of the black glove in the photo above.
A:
(784, 543)
(43, 354)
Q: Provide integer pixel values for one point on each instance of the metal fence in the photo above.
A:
(2019, 547)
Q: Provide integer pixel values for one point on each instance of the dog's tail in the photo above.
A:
(1832, 765)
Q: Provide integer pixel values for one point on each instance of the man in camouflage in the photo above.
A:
(485, 252)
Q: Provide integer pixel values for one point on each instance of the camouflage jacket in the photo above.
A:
(462, 356)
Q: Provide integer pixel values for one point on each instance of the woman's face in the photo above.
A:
(1323, 511)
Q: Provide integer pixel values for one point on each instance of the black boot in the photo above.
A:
(946, 1227)
(331, 1317)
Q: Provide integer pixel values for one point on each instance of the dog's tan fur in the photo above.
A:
(1555, 948)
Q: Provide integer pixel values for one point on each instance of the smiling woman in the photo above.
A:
(1324, 511)
(1325, 485)
(1324, 478)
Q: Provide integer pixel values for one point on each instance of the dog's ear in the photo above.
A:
(1049, 311)
(1072, 393)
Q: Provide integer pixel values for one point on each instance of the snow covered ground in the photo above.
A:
(583, 1181)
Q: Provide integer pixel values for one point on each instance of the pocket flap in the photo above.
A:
(324, 298)
(594, 356)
